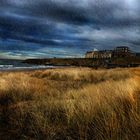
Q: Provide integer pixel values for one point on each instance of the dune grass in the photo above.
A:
(70, 104)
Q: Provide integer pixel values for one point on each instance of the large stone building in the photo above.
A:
(99, 54)
(121, 51)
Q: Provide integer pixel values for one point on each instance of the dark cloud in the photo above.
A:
(58, 25)
(96, 12)
(62, 13)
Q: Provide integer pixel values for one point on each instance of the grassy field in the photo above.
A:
(70, 104)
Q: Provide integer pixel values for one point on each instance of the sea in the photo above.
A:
(11, 65)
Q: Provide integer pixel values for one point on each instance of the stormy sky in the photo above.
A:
(66, 28)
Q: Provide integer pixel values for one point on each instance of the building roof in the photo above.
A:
(89, 52)
(122, 47)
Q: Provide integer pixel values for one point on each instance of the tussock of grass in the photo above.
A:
(70, 104)
(87, 75)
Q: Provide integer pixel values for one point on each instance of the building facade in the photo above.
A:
(122, 51)
(99, 54)
(89, 54)
(118, 52)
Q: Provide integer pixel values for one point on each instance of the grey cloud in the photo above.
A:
(78, 24)
(101, 12)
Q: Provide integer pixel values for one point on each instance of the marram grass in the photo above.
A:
(70, 104)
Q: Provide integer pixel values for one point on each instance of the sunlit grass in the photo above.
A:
(71, 103)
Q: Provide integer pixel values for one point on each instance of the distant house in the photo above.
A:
(119, 52)
(89, 54)
(99, 54)
(122, 51)
(137, 54)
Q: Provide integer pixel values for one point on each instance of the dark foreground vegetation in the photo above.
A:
(70, 104)
(88, 62)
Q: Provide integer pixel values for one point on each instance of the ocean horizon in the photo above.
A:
(8, 65)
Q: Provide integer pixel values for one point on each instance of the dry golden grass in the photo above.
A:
(71, 104)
